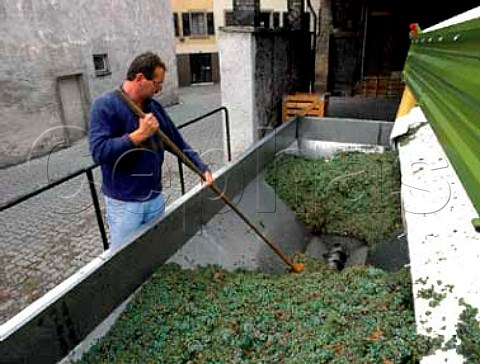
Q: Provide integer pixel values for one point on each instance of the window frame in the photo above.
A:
(268, 14)
(227, 17)
(106, 69)
(208, 26)
(205, 25)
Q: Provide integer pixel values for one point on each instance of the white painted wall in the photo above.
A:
(40, 40)
(237, 65)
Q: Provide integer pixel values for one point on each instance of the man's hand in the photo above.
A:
(147, 126)
(208, 177)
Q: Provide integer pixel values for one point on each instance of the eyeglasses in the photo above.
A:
(157, 84)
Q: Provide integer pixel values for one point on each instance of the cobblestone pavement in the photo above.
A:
(48, 237)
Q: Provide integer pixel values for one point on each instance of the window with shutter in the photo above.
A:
(175, 24)
(210, 24)
(186, 24)
(286, 22)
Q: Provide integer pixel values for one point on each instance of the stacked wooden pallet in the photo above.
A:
(390, 86)
(395, 85)
(304, 104)
(374, 86)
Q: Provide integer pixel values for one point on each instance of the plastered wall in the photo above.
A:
(44, 40)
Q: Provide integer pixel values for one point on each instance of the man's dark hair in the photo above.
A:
(145, 63)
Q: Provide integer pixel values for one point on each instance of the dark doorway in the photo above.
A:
(344, 68)
(345, 45)
(201, 67)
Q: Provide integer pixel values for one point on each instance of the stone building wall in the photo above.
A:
(257, 68)
(47, 71)
(281, 67)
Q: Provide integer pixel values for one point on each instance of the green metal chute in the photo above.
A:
(443, 72)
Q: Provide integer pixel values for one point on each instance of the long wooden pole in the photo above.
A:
(297, 268)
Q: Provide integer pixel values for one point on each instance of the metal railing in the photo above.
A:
(91, 182)
(93, 192)
(227, 136)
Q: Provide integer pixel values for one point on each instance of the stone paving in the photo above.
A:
(48, 237)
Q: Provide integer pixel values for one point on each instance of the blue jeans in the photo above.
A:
(125, 218)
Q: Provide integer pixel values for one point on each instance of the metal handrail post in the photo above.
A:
(180, 172)
(98, 212)
(227, 132)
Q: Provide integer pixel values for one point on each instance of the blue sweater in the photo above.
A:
(130, 173)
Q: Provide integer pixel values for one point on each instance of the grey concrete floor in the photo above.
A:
(48, 237)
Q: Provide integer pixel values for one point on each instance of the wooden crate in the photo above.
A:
(390, 86)
(371, 83)
(304, 104)
(381, 86)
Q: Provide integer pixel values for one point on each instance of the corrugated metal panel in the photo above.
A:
(443, 71)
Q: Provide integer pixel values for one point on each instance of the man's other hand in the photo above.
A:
(208, 177)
